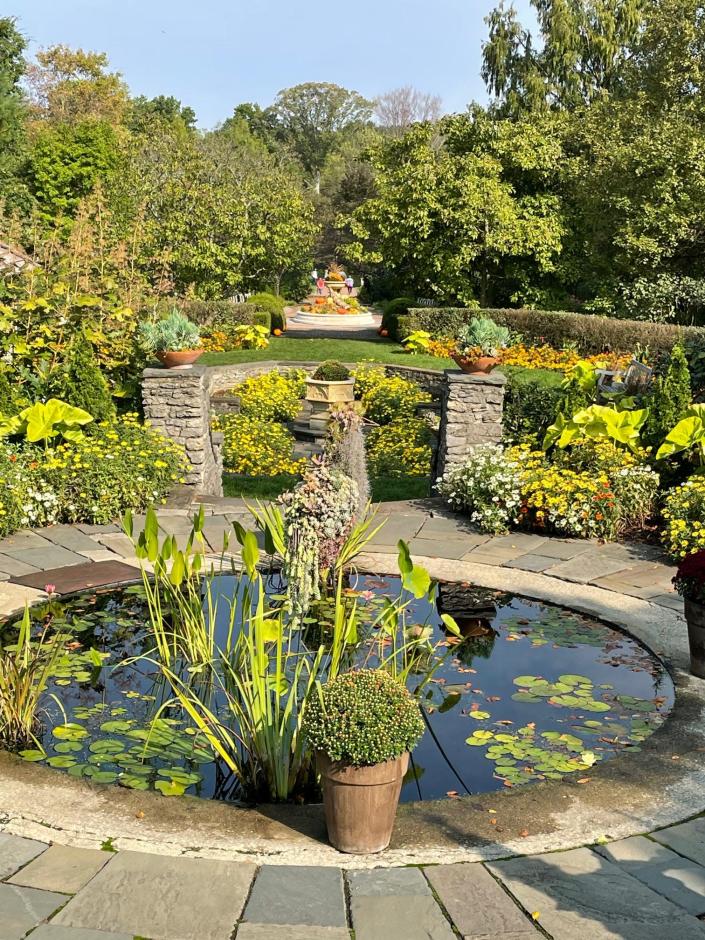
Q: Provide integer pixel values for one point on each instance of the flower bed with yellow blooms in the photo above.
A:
(401, 448)
(520, 487)
(684, 514)
(112, 467)
(560, 360)
(253, 447)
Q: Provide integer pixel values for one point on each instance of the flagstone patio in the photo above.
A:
(644, 887)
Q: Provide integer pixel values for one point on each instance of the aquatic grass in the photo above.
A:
(249, 695)
(26, 667)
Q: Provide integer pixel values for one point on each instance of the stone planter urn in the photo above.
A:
(322, 394)
(360, 803)
(695, 617)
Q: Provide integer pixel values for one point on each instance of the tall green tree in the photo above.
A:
(12, 109)
(447, 218)
(65, 164)
(578, 55)
(142, 111)
(312, 118)
(71, 86)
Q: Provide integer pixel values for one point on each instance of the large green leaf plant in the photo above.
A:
(45, 421)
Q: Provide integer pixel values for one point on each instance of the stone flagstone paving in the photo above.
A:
(634, 889)
(636, 570)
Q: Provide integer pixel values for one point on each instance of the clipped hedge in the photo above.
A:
(214, 313)
(592, 334)
(273, 305)
(393, 310)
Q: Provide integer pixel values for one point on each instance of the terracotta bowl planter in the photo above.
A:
(360, 803)
(695, 616)
(173, 359)
(484, 364)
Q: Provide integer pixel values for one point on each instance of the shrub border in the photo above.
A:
(592, 334)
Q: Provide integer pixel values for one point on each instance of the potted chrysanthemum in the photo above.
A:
(690, 584)
(362, 727)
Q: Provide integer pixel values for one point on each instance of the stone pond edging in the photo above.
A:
(631, 794)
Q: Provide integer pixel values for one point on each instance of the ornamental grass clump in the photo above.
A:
(363, 718)
(26, 668)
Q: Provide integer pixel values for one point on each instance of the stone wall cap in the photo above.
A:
(159, 372)
(476, 378)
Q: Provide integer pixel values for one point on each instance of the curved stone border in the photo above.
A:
(628, 795)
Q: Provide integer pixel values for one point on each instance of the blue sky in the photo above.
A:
(214, 54)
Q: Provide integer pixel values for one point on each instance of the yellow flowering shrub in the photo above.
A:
(114, 466)
(387, 398)
(274, 396)
(684, 514)
(399, 449)
(252, 447)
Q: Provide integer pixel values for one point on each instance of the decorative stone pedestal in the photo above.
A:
(471, 414)
(320, 395)
(177, 403)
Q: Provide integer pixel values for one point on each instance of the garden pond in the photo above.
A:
(528, 692)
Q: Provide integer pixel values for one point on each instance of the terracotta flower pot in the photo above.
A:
(173, 359)
(483, 364)
(695, 616)
(360, 803)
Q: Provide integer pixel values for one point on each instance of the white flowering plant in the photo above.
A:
(487, 486)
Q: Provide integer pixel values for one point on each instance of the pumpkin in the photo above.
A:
(384, 332)
(277, 332)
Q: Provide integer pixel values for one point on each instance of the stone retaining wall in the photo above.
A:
(178, 403)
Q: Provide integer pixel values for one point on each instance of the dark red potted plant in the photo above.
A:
(690, 584)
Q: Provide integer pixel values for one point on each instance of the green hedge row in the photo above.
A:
(214, 313)
(591, 334)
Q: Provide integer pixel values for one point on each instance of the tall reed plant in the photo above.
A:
(26, 668)
(247, 686)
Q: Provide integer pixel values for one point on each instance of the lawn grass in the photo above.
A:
(298, 349)
(384, 489)
(257, 487)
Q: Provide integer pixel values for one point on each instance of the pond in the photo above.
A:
(529, 692)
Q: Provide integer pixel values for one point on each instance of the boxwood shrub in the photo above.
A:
(363, 718)
(592, 334)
